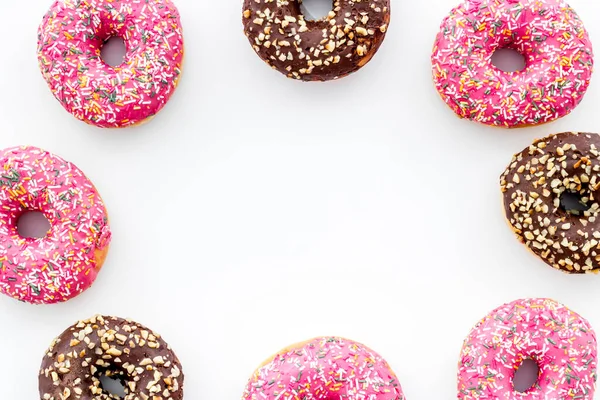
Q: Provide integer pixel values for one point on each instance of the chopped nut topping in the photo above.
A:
(324, 49)
(63, 372)
(533, 187)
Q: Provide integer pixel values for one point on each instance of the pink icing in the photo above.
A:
(69, 42)
(548, 33)
(561, 342)
(63, 264)
(325, 368)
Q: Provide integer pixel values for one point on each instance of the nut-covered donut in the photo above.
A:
(316, 50)
(535, 187)
(324, 368)
(550, 36)
(560, 341)
(112, 347)
(67, 260)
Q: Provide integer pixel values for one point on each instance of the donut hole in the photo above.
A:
(526, 376)
(33, 224)
(315, 9)
(574, 202)
(113, 51)
(508, 60)
(112, 385)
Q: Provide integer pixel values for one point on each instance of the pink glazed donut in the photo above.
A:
(548, 33)
(324, 368)
(65, 262)
(69, 42)
(560, 341)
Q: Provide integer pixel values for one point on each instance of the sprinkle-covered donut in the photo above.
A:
(316, 50)
(324, 368)
(537, 187)
(550, 36)
(69, 42)
(113, 347)
(560, 341)
(65, 262)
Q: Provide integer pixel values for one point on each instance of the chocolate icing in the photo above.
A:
(110, 346)
(532, 187)
(318, 50)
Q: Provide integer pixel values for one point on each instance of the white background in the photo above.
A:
(256, 211)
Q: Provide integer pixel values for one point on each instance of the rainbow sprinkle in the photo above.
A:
(561, 342)
(69, 42)
(325, 368)
(550, 35)
(63, 264)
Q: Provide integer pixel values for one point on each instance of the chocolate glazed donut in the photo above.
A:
(112, 347)
(319, 50)
(537, 186)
